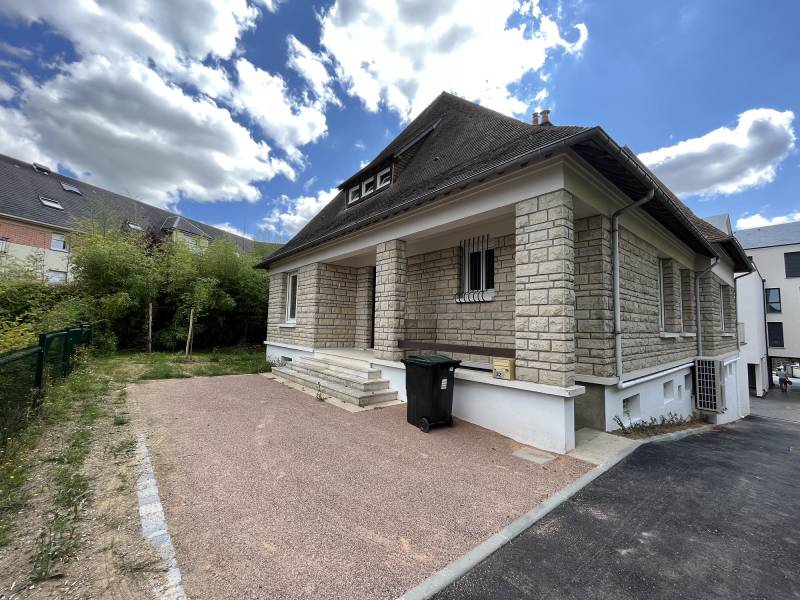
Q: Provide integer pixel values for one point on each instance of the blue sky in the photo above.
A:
(248, 113)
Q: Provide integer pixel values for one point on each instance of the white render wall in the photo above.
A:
(750, 312)
(769, 262)
(53, 260)
(652, 400)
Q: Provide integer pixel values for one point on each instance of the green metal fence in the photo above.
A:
(25, 374)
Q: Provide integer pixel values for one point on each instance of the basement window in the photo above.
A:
(68, 187)
(50, 203)
(477, 270)
(291, 297)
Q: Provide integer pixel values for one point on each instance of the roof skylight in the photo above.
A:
(134, 226)
(69, 187)
(50, 203)
(39, 168)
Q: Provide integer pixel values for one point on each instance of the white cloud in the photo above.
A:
(293, 213)
(226, 226)
(122, 126)
(402, 53)
(6, 91)
(313, 68)
(758, 220)
(727, 160)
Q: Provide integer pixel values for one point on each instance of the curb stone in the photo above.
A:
(465, 563)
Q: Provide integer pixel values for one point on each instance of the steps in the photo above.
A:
(348, 379)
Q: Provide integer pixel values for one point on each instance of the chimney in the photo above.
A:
(546, 116)
(535, 118)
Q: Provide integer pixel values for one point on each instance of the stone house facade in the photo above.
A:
(523, 263)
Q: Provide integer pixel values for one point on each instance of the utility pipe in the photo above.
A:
(698, 326)
(626, 384)
(615, 270)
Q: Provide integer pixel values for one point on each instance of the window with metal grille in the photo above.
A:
(791, 261)
(709, 389)
(775, 335)
(477, 270)
(773, 298)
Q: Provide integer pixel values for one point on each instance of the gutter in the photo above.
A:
(611, 146)
(615, 273)
(698, 325)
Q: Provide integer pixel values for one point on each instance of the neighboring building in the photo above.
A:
(775, 251)
(39, 207)
(480, 236)
(753, 350)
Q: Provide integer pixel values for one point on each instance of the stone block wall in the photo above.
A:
(671, 281)
(594, 303)
(302, 333)
(390, 298)
(365, 293)
(717, 342)
(335, 306)
(432, 314)
(545, 296)
(643, 345)
(688, 299)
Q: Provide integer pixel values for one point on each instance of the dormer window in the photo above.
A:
(355, 194)
(367, 187)
(385, 177)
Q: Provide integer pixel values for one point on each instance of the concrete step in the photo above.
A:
(329, 388)
(356, 364)
(338, 375)
(362, 369)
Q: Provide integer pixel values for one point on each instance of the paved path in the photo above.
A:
(712, 516)
(778, 404)
(269, 493)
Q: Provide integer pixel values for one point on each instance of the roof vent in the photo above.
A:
(69, 187)
(546, 117)
(41, 169)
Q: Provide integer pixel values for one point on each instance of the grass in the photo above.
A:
(141, 366)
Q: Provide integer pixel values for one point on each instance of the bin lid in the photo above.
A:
(431, 360)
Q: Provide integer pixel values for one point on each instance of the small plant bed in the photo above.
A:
(141, 366)
(656, 426)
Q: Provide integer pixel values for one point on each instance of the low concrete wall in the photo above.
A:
(670, 393)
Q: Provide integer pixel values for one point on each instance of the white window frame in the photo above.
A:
(354, 195)
(482, 245)
(3, 245)
(379, 176)
(364, 192)
(291, 300)
(50, 203)
(58, 242)
(71, 187)
(662, 309)
(59, 279)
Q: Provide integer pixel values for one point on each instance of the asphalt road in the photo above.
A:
(714, 515)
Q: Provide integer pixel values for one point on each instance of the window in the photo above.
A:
(68, 187)
(773, 298)
(775, 334)
(49, 202)
(367, 187)
(3, 245)
(355, 194)
(477, 268)
(669, 390)
(792, 262)
(58, 242)
(57, 276)
(291, 297)
(385, 177)
(41, 169)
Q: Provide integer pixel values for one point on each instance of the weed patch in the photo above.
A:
(656, 426)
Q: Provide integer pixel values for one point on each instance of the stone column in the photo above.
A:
(365, 293)
(545, 295)
(390, 298)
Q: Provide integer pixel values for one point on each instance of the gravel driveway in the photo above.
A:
(270, 493)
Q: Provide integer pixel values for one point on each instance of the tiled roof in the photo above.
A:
(454, 143)
(21, 186)
(771, 235)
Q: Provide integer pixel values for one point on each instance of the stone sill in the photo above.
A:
(668, 334)
(689, 335)
(727, 334)
(287, 325)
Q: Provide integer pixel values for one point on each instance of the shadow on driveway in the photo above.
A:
(710, 516)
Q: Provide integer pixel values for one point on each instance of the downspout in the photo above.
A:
(615, 271)
(766, 334)
(698, 326)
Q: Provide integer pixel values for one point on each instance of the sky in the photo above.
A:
(247, 114)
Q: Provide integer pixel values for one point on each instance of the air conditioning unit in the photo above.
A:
(709, 385)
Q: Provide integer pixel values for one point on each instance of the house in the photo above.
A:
(751, 326)
(480, 236)
(39, 207)
(775, 251)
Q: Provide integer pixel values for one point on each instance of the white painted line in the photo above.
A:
(154, 526)
(465, 563)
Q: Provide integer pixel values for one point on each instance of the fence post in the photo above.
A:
(65, 353)
(40, 361)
